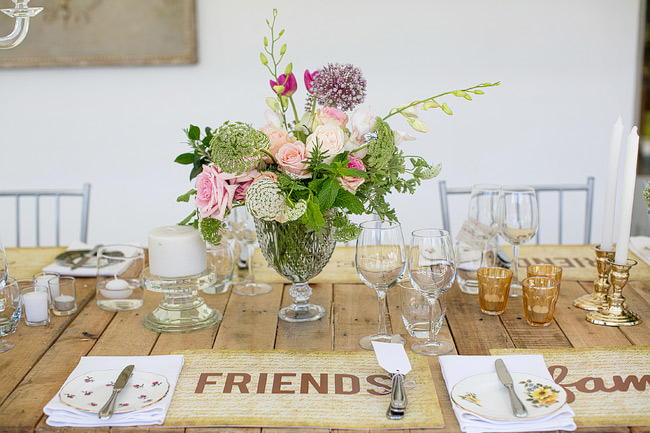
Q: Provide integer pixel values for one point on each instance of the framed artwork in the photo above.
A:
(105, 32)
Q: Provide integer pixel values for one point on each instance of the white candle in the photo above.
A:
(64, 303)
(42, 281)
(627, 196)
(35, 304)
(609, 205)
(176, 251)
(117, 289)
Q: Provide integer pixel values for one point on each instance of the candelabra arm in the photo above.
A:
(21, 14)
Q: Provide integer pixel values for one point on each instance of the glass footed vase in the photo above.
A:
(298, 254)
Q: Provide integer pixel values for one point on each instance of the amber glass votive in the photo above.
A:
(493, 289)
(540, 297)
(548, 271)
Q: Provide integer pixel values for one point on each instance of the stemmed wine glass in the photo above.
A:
(518, 220)
(380, 261)
(483, 207)
(10, 309)
(432, 268)
(244, 228)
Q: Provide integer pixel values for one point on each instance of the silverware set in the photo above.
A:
(109, 408)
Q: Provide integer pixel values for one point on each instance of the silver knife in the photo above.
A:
(107, 411)
(518, 408)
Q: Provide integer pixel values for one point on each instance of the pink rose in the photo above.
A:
(291, 159)
(278, 137)
(330, 137)
(214, 194)
(267, 174)
(243, 182)
(351, 183)
(329, 114)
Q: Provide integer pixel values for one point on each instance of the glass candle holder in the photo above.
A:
(540, 297)
(119, 277)
(63, 295)
(222, 262)
(493, 289)
(546, 270)
(44, 280)
(35, 303)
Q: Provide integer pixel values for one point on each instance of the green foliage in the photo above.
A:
(211, 230)
(646, 194)
(199, 155)
(345, 229)
(186, 197)
(236, 146)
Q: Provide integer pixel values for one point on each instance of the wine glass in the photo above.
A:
(244, 227)
(380, 260)
(4, 271)
(483, 209)
(432, 268)
(10, 309)
(518, 220)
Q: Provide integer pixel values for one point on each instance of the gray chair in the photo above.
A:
(560, 189)
(84, 193)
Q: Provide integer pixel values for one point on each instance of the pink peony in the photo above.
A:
(291, 159)
(329, 114)
(285, 86)
(216, 190)
(351, 183)
(278, 137)
(309, 79)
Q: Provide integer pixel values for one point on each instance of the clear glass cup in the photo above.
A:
(432, 269)
(483, 214)
(244, 228)
(546, 270)
(220, 258)
(493, 289)
(9, 311)
(34, 302)
(4, 271)
(63, 296)
(119, 284)
(540, 297)
(44, 280)
(380, 259)
(415, 313)
(518, 220)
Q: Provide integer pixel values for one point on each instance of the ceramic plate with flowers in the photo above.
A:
(485, 396)
(90, 391)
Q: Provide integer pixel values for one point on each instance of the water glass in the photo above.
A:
(119, 284)
(540, 297)
(4, 270)
(9, 311)
(493, 288)
(63, 296)
(432, 269)
(414, 309)
(518, 217)
(35, 303)
(221, 260)
(244, 228)
(546, 270)
(380, 258)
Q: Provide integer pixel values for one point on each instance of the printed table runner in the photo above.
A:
(606, 386)
(297, 389)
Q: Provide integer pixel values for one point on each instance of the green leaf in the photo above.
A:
(349, 201)
(194, 133)
(185, 158)
(187, 218)
(198, 168)
(446, 109)
(313, 217)
(211, 230)
(353, 172)
(186, 197)
(341, 157)
(327, 194)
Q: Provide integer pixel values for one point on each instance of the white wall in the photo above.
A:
(567, 69)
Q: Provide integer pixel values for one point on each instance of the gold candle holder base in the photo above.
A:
(594, 301)
(614, 312)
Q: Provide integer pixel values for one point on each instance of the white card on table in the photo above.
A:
(392, 357)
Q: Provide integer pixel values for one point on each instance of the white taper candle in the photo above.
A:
(628, 178)
(609, 205)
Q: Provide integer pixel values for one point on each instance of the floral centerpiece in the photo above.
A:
(302, 176)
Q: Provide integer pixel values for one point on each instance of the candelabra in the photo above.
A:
(21, 13)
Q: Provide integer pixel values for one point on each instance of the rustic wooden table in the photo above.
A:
(34, 370)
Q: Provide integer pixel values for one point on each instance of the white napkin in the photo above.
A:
(87, 271)
(170, 366)
(640, 245)
(456, 368)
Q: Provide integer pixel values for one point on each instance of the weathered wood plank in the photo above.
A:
(637, 295)
(525, 336)
(355, 315)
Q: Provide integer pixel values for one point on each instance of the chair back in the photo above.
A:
(559, 189)
(84, 193)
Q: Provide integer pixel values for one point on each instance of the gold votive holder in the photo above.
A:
(540, 297)
(598, 298)
(493, 289)
(614, 312)
(546, 270)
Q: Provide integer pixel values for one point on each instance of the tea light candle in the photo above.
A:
(42, 281)
(64, 303)
(116, 289)
(176, 251)
(35, 304)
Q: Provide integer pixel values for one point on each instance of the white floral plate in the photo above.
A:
(89, 392)
(485, 396)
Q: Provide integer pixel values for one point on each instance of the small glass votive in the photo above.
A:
(221, 261)
(415, 311)
(63, 296)
(493, 289)
(44, 280)
(119, 277)
(546, 270)
(540, 297)
(35, 303)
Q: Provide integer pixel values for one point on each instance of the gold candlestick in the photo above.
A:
(598, 299)
(615, 313)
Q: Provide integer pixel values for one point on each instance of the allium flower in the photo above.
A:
(285, 86)
(309, 79)
(264, 199)
(340, 86)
